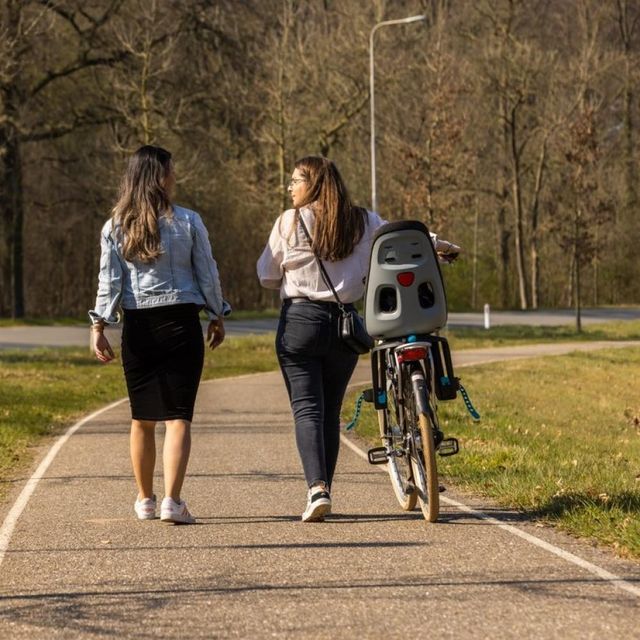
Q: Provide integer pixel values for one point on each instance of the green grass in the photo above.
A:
(253, 315)
(477, 338)
(559, 439)
(44, 390)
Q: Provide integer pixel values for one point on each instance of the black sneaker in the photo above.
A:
(318, 505)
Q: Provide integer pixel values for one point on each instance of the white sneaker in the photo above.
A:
(176, 512)
(146, 508)
(318, 505)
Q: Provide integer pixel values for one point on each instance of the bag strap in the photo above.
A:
(323, 271)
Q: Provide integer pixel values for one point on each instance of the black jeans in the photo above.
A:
(316, 366)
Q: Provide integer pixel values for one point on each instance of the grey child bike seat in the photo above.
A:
(405, 293)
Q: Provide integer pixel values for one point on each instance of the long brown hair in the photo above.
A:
(143, 199)
(339, 225)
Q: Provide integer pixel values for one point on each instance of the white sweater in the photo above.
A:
(288, 263)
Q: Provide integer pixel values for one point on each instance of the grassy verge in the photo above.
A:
(477, 338)
(44, 390)
(254, 315)
(559, 440)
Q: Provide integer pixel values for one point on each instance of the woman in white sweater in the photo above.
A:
(315, 363)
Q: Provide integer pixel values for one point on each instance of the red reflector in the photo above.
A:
(410, 355)
(406, 278)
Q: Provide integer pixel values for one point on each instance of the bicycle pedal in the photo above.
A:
(441, 488)
(448, 447)
(378, 456)
(409, 489)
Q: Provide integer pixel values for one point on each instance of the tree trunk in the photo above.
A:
(11, 202)
(629, 131)
(504, 241)
(6, 225)
(578, 295)
(504, 236)
(281, 106)
(516, 192)
(17, 231)
(533, 241)
(576, 263)
(569, 291)
(474, 271)
(596, 268)
(12, 222)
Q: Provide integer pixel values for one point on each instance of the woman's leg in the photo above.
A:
(301, 341)
(175, 456)
(143, 455)
(303, 379)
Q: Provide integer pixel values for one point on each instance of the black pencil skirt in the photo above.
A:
(162, 356)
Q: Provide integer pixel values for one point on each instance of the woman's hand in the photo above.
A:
(447, 251)
(100, 345)
(215, 333)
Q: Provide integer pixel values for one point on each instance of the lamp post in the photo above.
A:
(385, 23)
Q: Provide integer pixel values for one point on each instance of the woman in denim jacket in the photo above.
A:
(315, 363)
(156, 263)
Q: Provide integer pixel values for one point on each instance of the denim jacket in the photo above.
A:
(185, 272)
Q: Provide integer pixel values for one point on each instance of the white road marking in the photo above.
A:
(6, 530)
(605, 575)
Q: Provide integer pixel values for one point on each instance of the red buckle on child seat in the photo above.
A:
(406, 278)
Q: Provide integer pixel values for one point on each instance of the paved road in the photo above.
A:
(30, 336)
(80, 566)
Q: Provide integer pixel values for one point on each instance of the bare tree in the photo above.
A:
(588, 209)
(29, 76)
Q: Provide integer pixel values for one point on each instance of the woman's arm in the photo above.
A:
(108, 297)
(206, 272)
(109, 281)
(269, 265)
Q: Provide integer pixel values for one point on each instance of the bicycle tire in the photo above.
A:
(400, 469)
(423, 457)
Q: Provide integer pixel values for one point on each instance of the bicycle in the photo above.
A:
(405, 304)
(404, 394)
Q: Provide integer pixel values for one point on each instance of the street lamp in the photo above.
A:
(421, 18)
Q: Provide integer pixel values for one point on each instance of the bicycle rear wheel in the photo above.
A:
(399, 465)
(423, 453)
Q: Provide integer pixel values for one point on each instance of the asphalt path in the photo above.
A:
(28, 337)
(75, 563)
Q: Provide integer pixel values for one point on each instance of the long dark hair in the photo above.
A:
(143, 199)
(339, 225)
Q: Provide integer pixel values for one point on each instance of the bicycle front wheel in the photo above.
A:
(423, 454)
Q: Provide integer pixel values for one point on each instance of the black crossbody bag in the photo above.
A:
(350, 325)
